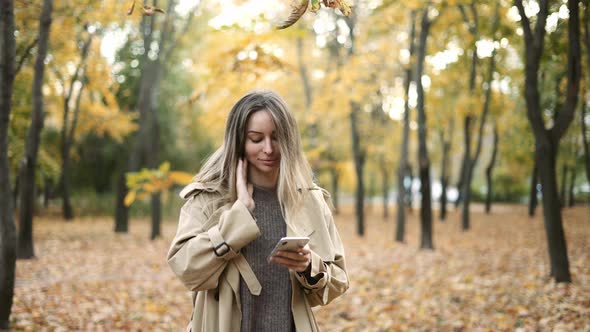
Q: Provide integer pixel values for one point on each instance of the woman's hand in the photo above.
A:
(243, 188)
(298, 261)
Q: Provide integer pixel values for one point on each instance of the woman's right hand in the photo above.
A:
(243, 188)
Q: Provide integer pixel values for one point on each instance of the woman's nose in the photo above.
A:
(267, 146)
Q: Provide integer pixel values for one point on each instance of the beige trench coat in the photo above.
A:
(205, 256)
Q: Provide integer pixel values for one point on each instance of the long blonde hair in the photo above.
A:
(295, 175)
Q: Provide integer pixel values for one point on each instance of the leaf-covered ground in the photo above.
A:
(492, 278)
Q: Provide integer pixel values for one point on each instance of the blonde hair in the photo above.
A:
(295, 175)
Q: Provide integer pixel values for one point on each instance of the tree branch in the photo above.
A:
(25, 55)
(574, 72)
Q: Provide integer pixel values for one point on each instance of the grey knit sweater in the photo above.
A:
(271, 310)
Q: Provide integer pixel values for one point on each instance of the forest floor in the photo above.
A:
(493, 277)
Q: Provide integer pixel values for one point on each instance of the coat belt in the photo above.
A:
(247, 274)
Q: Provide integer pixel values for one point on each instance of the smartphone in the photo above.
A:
(290, 243)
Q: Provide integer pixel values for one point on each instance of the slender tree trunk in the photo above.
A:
(141, 138)
(66, 140)
(473, 28)
(25, 249)
(585, 141)
(585, 101)
(359, 162)
(154, 162)
(547, 141)
(121, 211)
(489, 171)
(307, 92)
(385, 188)
(335, 175)
(409, 189)
(444, 178)
(7, 226)
(572, 199)
(486, 109)
(423, 160)
(533, 190)
(403, 157)
(15, 191)
(562, 193)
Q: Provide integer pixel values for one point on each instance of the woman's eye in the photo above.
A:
(256, 140)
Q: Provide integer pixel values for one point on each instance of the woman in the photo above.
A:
(256, 188)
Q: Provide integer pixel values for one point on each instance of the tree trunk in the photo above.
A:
(385, 188)
(473, 28)
(486, 109)
(533, 190)
(67, 128)
(489, 170)
(307, 91)
(359, 161)
(547, 141)
(552, 215)
(25, 248)
(154, 162)
(562, 193)
(585, 142)
(585, 103)
(7, 226)
(409, 189)
(121, 211)
(335, 176)
(141, 138)
(424, 162)
(572, 199)
(444, 178)
(403, 157)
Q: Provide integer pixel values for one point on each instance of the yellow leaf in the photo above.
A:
(129, 198)
(165, 167)
(180, 177)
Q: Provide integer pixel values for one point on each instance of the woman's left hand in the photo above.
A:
(297, 261)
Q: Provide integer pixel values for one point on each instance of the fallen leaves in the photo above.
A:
(492, 278)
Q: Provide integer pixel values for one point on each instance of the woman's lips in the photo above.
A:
(269, 162)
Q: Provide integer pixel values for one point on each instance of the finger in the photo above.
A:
(250, 189)
(295, 256)
(239, 172)
(245, 170)
(290, 264)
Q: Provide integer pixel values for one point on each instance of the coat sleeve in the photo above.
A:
(206, 242)
(327, 279)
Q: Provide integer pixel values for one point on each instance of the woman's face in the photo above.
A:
(262, 149)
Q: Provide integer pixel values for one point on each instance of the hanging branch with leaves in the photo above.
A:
(146, 10)
(299, 7)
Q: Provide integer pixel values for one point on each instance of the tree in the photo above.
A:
(69, 126)
(7, 227)
(423, 160)
(585, 105)
(547, 140)
(27, 192)
(469, 161)
(489, 170)
(403, 160)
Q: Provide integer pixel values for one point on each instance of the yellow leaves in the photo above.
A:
(146, 10)
(130, 197)
(149, 181)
